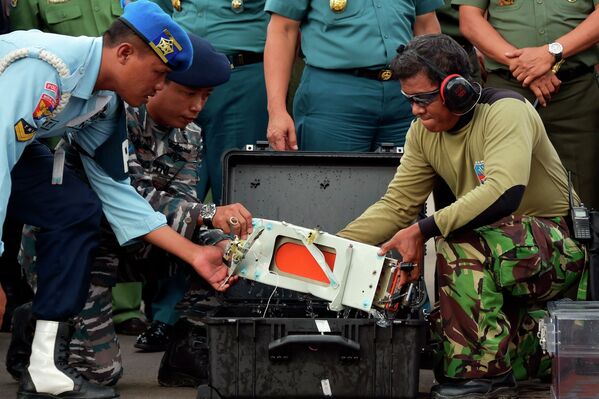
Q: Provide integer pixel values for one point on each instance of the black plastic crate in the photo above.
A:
(293, 357)
(270, 346)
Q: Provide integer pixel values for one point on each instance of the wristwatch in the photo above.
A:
(556, 49)
(207, 212)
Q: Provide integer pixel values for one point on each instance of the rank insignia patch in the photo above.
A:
(24, 131)
(44, 107)
(506, 2)
(479, 169)
(166, 46)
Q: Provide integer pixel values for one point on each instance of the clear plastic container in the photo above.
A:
(571, 335)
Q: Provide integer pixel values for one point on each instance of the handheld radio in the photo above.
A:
(581, 221)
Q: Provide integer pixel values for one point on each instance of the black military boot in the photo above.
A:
(155, 338)
(49, 374)
(185, 362)
(19, 350)
(498, 387)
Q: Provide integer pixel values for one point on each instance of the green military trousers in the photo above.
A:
(489, 280)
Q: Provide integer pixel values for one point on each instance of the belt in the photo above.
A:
(245, 58)
(564, 75)
(383, 74)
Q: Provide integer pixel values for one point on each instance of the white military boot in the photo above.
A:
(49, 374)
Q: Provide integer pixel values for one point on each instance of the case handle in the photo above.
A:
(280, 348)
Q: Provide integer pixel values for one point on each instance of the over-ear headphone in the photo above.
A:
(457, 93)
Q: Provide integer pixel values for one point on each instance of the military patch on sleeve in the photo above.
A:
(24, 131)
(52, 87)
(45, 107)
(479, 169)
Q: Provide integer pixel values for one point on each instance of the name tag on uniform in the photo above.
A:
(125, 150)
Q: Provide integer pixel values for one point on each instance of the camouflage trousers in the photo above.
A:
(493, 283)
(94, 349)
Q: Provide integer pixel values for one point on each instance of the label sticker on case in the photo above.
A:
(322, 326)
(326, 387)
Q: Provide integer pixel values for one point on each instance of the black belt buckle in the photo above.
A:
(237, 60)
(244, 58)
(385, 74)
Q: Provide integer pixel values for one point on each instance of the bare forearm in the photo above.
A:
(207, 261)
(169, 240)
(426, 23)
(585, 35)
(279, 54)
(482, 35)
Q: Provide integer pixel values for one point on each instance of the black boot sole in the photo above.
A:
(499, 393)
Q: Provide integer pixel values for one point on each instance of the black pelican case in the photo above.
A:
(286, 345)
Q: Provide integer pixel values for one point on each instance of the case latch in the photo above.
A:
(261, 145)
(389, 147)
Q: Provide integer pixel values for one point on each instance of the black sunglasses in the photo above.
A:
(422, 99)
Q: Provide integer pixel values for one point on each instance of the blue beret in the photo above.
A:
(168, 40)
(209, 68)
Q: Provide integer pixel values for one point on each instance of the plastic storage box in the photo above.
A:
(300, 357)
(571, 335)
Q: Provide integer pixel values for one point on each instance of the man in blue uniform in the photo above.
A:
(348, 99)
(163, 166)
(64, 85)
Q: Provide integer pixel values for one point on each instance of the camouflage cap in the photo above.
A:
(163, 35)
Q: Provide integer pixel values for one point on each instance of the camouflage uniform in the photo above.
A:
(484, 276)
(163, 168)
(493, 269)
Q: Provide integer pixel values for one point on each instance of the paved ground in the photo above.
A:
(139, 380)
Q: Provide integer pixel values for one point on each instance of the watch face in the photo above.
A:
(555, 48)
(208, 211)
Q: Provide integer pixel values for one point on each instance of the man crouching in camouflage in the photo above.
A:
(163, 167)
(504, 242)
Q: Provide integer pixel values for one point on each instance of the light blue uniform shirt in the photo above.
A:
(30, 84)
(364, 35)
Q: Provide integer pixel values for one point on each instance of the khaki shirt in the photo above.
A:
(65, 17)
(449, 19)
(533, 23)
(504, 145)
